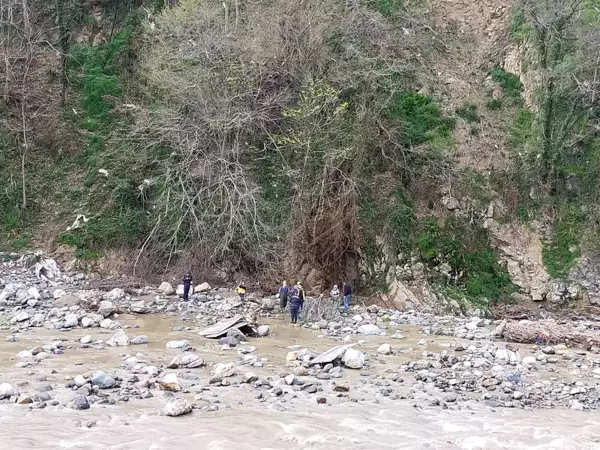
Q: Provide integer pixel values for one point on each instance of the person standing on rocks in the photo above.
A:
(347, 296)
(241, 290)
(283, 295)
(295, 303)
(187, 284)
(301, 294)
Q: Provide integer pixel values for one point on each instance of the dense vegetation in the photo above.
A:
(277, 137)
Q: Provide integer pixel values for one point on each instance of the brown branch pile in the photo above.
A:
(551, 332)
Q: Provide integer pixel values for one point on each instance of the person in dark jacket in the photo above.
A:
(294, 294)
(347, 296)
(187, 284)
(283, 295)
(301, 294)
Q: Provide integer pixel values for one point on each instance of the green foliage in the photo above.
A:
(402, 221)
(466, 249)
(387, 7)
(468, 112)
(494, 103)
(421, 119)
(97, 72)
(522, 130)
(510, 83)
(519, 28)
(562, 252)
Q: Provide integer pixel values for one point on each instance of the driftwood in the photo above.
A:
(550, 332)
(222, 327)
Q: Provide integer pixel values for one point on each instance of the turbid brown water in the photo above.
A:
(242, 422)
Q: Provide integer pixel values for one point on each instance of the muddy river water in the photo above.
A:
(242, 422)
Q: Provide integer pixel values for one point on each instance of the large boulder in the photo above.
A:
(228, 340)
(224, 370)
(385, 349)
(353, 359)
(204, 287)
(70, 321)
(269, 303)
(103, 380)
(166, 288)
(178, 344)
(139, 340)
(34, 293)
(263, 330)
(114, 295)
(119, 339)
(369, 330)
(80, 402)
(7, 391)
(107, 308)
(236, 333)
(177, 407)
(21, 317)
(170, 382)
(140, 307)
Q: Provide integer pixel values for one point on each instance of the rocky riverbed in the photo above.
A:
(70, 347)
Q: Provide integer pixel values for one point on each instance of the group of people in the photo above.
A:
(288, 295)
(295, 295)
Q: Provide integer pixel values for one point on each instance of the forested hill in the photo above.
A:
(433, 151)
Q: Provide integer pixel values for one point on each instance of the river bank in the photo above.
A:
(98, 360)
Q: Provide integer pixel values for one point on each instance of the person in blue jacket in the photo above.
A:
(347, 296)
(295, 303)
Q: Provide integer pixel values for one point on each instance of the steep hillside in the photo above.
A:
(441, 153)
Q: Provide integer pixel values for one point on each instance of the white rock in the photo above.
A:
(24, 354)
(86, 322)
(348, 339)
(107, 324)
(263, 330)
(529, 361)
(166, 288)
(178, 344)
(21, 317)
(422, 342)
(289, 380)
(79, 380)
(6, 391)
(86, 339)
(204, 287)
(177, 407)
(353, 359)
(508, 355)
(119, 339)
(106, 308)
(385, 349)
(224, 370)
(140, 307)
(249, 377)
(369, 330)
(179, 290)
(518, 395)
(70, 320)
(357, 318)
(114, 295)
(58, 293)
(34, 293)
